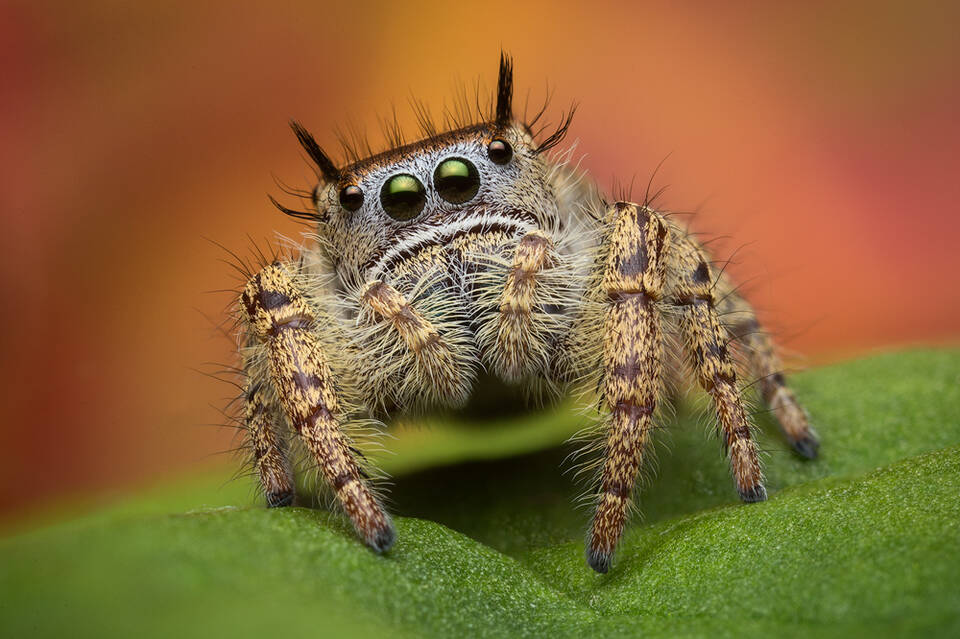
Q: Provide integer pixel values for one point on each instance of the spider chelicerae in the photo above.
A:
(476, 250)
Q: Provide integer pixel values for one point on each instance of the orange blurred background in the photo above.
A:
(823, 139)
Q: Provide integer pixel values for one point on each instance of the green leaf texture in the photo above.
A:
(864, 541)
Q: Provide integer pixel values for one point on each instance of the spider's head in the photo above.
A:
(377, 214)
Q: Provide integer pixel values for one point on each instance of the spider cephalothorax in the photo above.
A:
(473, 250)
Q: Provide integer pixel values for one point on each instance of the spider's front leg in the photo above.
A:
(632, 286)
(282, 321)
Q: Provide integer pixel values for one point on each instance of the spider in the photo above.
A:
(476, 250)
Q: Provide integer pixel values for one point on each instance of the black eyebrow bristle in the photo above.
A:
(308, 216)
(557, 136)
(504, 113)
(330, 172)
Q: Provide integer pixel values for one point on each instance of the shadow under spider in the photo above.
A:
(519, 503)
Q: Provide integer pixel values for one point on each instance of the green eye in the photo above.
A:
(403, 197)
(456, 180)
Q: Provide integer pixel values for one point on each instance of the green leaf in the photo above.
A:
(863, 542)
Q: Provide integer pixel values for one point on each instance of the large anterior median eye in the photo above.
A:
(456, 180)
(403, 197)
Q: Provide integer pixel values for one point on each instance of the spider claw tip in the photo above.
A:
(599, 560)
(279, 499)
(807, 447)
(383, 538)
(754, 494)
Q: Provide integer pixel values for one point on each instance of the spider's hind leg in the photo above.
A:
(764, 364)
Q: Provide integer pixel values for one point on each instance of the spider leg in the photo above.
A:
(766, 366)
(706, 339)
(632, 285)
(280, 318)
(267, 441)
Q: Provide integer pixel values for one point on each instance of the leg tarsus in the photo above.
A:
(753, 494)
(383, 537)
(807, 446)
(599, 560)
(280, 499)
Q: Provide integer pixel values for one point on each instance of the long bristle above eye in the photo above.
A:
(505, 91)
(329, 171)
(557, 136)
(300, 215)
(466, 111)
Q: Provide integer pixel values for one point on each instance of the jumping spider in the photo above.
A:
(472, 249)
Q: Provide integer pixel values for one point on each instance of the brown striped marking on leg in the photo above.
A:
(282, 320)
(268, 446)
(515, 329)
(765, 365)
(633, 282)
(707, 339)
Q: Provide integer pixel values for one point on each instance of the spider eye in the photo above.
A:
(457, 180)
(500, 151)
(351, 197)
(403, 197)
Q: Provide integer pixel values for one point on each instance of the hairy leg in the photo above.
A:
(632, 285)
(267, 442)
(764, 363)
(707, 339)
(281, 319)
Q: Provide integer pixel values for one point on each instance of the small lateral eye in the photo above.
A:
(500, 151)
(351, 197)
(403, 197)
(456, 180)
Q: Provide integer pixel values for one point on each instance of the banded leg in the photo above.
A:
(633, 283)
(283, 322)
(515, 322)
(268, 444)
(765, 365)
(707, 339)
